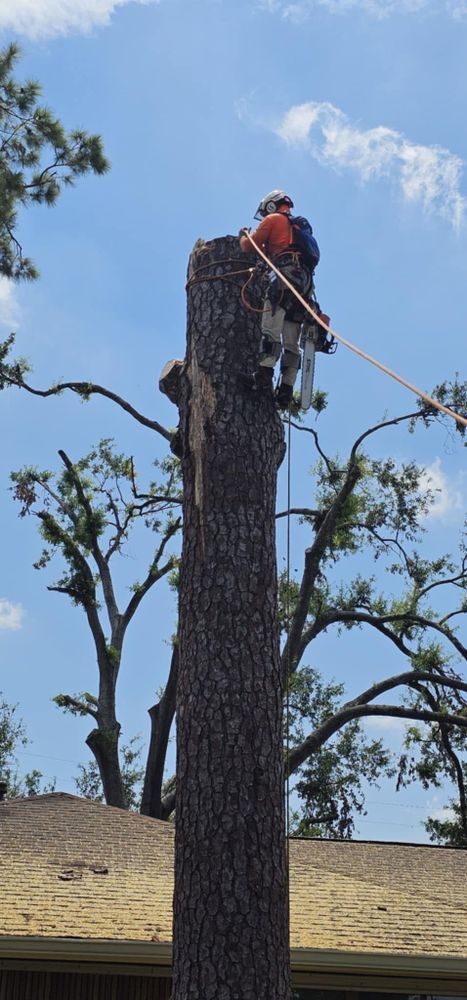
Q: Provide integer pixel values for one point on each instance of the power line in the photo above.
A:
(44, 756)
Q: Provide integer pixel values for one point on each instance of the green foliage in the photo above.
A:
(86, 515)
(38, 157)
(452, 394)
(88, 783)
(12, 738)
(12, 735)
(380, 519)
(331, 784)
(450, 830)
(32, 784)
(94, 504)
(82, 704)
(11, 372)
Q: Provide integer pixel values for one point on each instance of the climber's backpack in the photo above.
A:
(303, 241)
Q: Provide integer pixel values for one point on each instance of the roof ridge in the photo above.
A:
(380, 843)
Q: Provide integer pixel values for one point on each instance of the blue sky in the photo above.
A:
(356, 107)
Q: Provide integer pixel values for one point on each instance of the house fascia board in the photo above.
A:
(306, 960)
(303, 960)
(83, 950)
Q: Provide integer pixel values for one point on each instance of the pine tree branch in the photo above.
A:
(85, 389)
(452, 614)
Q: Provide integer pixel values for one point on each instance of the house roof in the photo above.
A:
(72, 868)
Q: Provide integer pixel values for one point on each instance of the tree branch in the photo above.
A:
(304, 511)
(88, 601)
(154, 574)
(313, 557)
(162, 716)
(315, 740)
(104, 572)
(336, 616)
(84, 389)
(386, 423)
(82, 708)
(411, 678)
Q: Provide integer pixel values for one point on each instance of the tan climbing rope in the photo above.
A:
(357, 350)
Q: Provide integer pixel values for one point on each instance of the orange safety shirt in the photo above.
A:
(273, 235)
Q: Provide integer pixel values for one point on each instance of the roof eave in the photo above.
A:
(32, 948)
(378, 963)
(159, 953)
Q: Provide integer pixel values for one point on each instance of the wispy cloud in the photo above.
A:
(448, 495)
(298, 11)
(48, 18)
(9, 308)
(443, 813)
(11, 615)
(426, 175)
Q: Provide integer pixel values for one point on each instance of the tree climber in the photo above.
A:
(282, 315)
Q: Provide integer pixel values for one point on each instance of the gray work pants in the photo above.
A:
(282, 324)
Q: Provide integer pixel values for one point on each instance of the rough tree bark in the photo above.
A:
(230, 910)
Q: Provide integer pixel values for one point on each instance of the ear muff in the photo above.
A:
(270, 207)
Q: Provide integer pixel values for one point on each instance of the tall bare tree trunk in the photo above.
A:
(230, 923)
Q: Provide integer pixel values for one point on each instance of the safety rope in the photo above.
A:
(194, 279)
(244, 299)
(356, 350)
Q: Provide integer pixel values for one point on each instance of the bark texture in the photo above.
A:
(230, 908)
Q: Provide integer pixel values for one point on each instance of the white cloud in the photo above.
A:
(425, 175)
(9, 308)
(448, 496)
(299, 10)
(48, 18)
(443, 813)
(11, 615)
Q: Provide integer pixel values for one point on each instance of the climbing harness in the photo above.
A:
(357, 350)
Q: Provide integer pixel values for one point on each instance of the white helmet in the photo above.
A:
(270, 202)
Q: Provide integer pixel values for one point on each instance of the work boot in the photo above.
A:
(284, 395)
(258, 381)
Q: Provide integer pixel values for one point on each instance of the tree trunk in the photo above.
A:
(230, 910)
(103, 741)
(162, 716)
